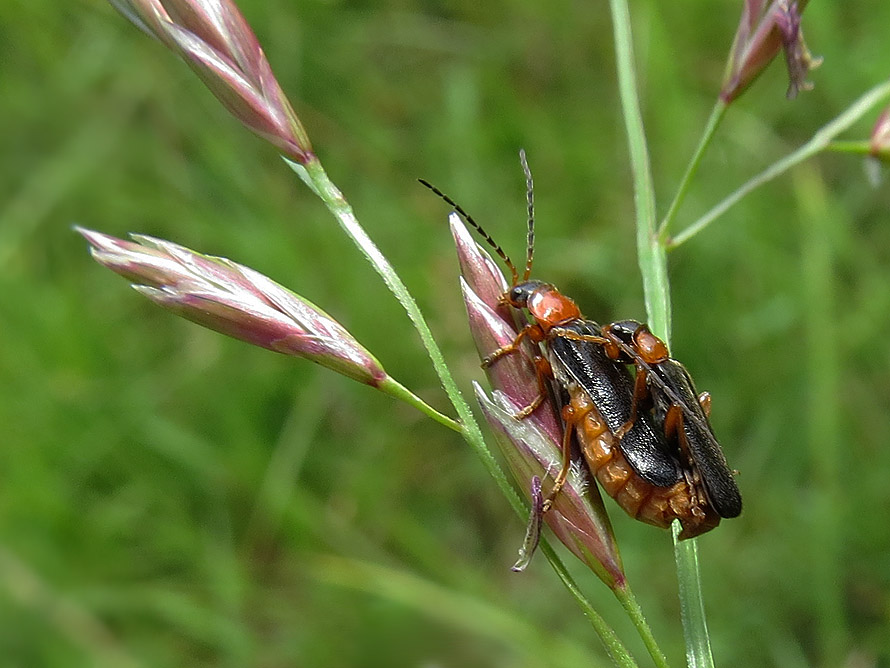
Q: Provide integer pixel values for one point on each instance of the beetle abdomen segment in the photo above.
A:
(659, 506)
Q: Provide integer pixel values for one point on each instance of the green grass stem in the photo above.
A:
(314, 176)
(852, 146)
(653, 265)
(820, 141)
(717, 114)
(692, 603)
(616, 650)
(317, 179)
(635, 612)
(395, 389)
(651, 255)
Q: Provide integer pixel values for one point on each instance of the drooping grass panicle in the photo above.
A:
(765, 28)
(218, 44)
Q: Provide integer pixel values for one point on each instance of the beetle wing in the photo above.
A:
(706, 453)
(610, 386)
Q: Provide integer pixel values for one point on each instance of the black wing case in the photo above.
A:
(706, 453)
(611, 388)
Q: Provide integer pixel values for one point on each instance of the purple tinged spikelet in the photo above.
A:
(531, 446)
(879, 142)
(218, 44)
(235, 300)
(765, 28)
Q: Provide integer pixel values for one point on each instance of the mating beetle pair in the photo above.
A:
(646, 439)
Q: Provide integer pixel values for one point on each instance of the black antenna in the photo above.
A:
(467, 217)
(530, 196)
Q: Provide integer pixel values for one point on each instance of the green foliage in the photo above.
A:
(172, 497)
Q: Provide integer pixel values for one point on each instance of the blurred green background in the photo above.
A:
(171, 497)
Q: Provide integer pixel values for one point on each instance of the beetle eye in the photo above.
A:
(625, 329)
(518, 296)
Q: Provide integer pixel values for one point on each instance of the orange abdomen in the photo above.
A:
(684, 500)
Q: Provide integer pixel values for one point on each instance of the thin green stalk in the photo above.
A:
(653, 266)
(629, 603)
(717, 114)
(852, 146)
(819, 142)
(395, 389)
(314, 176)
(651, 255)
(616, 650)
(692, 603)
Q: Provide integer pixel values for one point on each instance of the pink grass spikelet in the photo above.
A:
(767, 27)
(235, 300)
(217, 43)
(531, 446)
(879, 142)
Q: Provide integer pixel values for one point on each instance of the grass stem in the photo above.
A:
(820, 141)
(395, 389)
(629, 603)
(651, 255)
(314, 176)
(717, 114)
(653, 265)
(692, 604)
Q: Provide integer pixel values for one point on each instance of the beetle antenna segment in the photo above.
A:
(530, 196)
(467, 217)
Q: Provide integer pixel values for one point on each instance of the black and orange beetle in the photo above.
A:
(649, 451)
(684, 412)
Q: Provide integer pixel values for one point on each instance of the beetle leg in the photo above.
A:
(693, 480)
(532, 331)
(505, 350)
(575, 336)
(673, 421)
(568, 415)
(673, 429)
(542, 366)
(542, 372)
(704, 400)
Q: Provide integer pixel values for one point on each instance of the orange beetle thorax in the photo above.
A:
(550, 308)
(651, 348)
